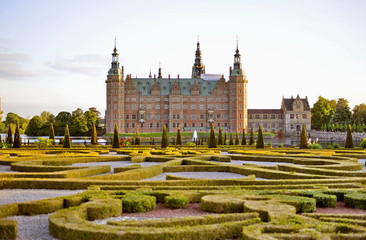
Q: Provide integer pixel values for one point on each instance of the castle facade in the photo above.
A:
(147, 104)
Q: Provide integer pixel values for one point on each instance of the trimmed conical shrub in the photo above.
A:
(219, 140)
(243, 139)
(212, 140)
(51, 135)
(9, 138)
(153, 141)
(349, 140)
(67, 141)
(304, 138)
(137, 138)
(94, 138)
(251, 138)
(164, 138)
(225, 138)
(115, 143)
(260, 141)
(231, 141)
(179, 137)
(17, 140)
(236, 138)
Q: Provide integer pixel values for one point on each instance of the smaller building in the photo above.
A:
(294, 112)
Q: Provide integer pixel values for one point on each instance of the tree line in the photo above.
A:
(332, 115)
(80, 122)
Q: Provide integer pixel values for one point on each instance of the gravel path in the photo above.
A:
(22, 195)
(198, 175)
(5, 168)
(340, 208)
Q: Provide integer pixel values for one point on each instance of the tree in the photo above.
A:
(225, 138)
(243, 139)
(179, 137)
(212, 140)
(94, 137)
(62, 119)
(342, 113)
(164, 138)
(349, 140)
(219, 142)
(9, 138)
(52, 134)
(115, 137)
(322, 112)
(304, 138)
(91, 117)
(12, 119)
(236, 138)
(67, 141)
(34, 127)
(79, 125)
(17, 140)
(251, 138)
(153, 141)
(359, 114)
(231, 141)
(260, 141)
(47, 117)
(96, 113)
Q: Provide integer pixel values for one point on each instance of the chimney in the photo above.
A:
(230, 70)
(178, 76)
(169, 76)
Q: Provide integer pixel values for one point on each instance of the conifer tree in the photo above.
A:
(304, 138)
(219, 142)
(9, 138)
(164, 138)
(231, 142)
(251, 138)
(349, 140)
(115, 143)
(133, 141)
(67, 141)
(237, 139)
(94, 138)
(17, 140)
(225, 138)
(51, 135)
(260, 141)
(153, 141)
(243, 139)
(212, 140)
(179, 137)
(137, 138)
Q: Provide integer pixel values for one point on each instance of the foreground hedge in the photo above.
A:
(8, 229)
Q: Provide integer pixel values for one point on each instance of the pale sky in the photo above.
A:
(54, 55)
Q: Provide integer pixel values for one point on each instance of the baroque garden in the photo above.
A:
(242, 188)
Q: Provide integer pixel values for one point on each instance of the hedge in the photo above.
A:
(103, 208)
(176, 201)
(40, 207)
(267, 210)
(126, 168)
(356, 200)
(8, 229)
(302, 204)
(322, 200)
(133, 203)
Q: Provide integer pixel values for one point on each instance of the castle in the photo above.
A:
(194, 103)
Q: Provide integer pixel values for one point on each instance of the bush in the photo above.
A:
(363, 143)
(133, 203)
(315, 146)
(8, 229)
(336, 145)
(177, 201)
(43, 143)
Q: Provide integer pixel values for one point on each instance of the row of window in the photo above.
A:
(176, 99)
(299, 116)
(265, 125)
(173, 125)
(265, 116)
(177, 106)
(176, 116)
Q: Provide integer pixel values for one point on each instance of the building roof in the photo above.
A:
(288, 103)
(144, 85)
(265, 111)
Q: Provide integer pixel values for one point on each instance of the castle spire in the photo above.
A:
(115, 70)
(159, 73)
(198, 67)
(237, 70)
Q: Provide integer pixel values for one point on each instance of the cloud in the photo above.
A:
(12, 66)
(89, 64)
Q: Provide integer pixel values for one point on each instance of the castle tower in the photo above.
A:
(238, 96)
(114, 113)
(198, 67)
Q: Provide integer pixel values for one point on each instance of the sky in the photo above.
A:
(55, 55)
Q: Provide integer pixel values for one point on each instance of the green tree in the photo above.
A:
(51, 135)
(79, 125)
(322, 112)
(9, 138)
(243, 139)
(17, 140)
(67, 141)
(219, 142)
(164, 138)
(94, 137)
(92, 117)
(12, 118)
(47, 117)
(62, 119)
(115, 142)
(225, 139)
(260, 141)
(153, 141)
(304, 138)
(179, 137)
(359, 114)
(237, 138)
(212, 140)
(34, 127)
(251, 138)
(349, 140)
(231, 141)
(342, 113)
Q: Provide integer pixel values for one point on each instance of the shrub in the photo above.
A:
(363, 143)
(179, 137)
(115, 137)
(133, 203)
(17, 140)
(94, 137)
(251, 138)
(243, 139)
(304, 138)
(66, 140)
(260, 141)
(8, 229)
(43, 143)
(190, 144)
(164, 138)
(212, 140)
(52, 134)
(315, 146)
(177, 201)
(349, 140)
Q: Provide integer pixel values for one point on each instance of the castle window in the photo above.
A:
(250, 116)
(133, 116)
(304, 116)
(298, 116)
(240, 116)
(226, 116)
(157, 116)
(127, 125)
(225, 124)
(173, 125)
(185, 116)
(257, 116)
(202, 99)
(173, 116)
(178, 116)
(218, 106)
(157, 125)
(218, 116)
(226, 106)
(193, 117)
(151, 125)
(166, 117)
(193, 106)
(265, 116)
(166, 106)
(202, 107)
(127, 116)
(133, 125)
(157, 99)
(202, 116)
(292, 116)
(273, 116)
(157, 107)
(148, 106)
(218, 124)
(201, 124)
(185, 124)
(149, 116)
(193, 99)
(193, 125)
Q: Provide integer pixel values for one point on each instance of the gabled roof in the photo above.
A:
(288, 103)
